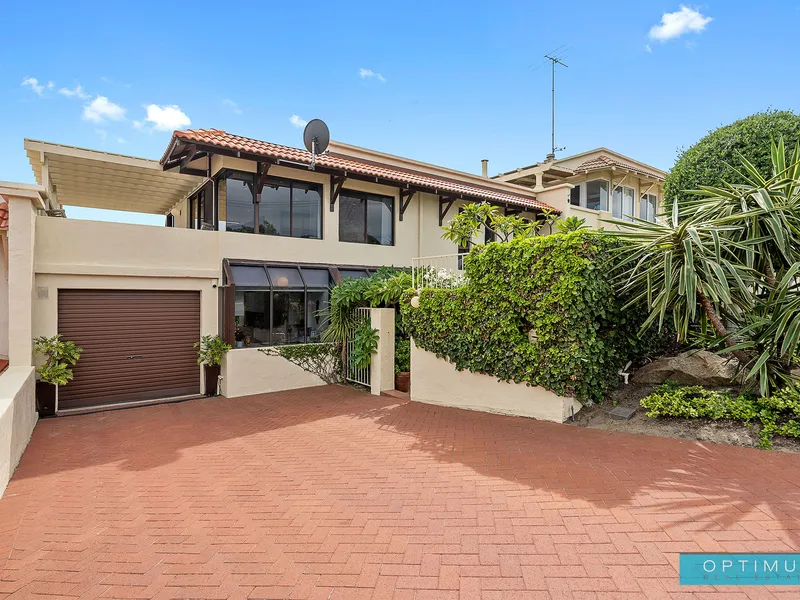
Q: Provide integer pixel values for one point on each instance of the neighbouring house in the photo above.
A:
(605, 184)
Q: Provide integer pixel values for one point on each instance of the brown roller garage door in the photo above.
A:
(137, 345)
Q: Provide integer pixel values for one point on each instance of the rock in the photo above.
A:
(689, 368)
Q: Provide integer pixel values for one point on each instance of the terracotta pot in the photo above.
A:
(402, 381)
(212, 379)
(45, 399)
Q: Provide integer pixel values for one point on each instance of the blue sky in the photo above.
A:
(444, 82)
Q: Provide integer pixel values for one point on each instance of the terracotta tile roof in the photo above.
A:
(222, 139)
(605, 162)
(3, 215)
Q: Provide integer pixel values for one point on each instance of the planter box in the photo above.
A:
(402, 381)
(437, 381)
(211, 378)
(46, 398)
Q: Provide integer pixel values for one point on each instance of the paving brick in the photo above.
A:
(329, 493)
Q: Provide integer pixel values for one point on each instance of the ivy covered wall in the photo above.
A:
(560, 287)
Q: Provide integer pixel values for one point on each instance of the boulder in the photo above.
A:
(689, 368)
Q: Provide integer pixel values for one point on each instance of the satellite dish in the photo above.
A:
(316, 136)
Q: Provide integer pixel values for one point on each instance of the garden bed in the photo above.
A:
(734, 433)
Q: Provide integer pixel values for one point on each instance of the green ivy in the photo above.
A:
(778, 414)
(365, 344)
(556, 285)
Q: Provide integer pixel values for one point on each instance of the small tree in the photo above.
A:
(474, 217)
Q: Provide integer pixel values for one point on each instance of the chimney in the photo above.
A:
(485, 168)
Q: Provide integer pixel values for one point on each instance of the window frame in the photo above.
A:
(291, 186)
(366, 196)
(271, 292)
(228, 289)
(646, 199)
(622, 189)
(583, 195)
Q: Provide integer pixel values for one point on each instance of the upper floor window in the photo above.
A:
(622, 203)
(286, 208)
(236, 202)
(648, 206)
(291, 208)
(590, 194)
(366, 218)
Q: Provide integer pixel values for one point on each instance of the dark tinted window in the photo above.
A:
(366, 218)
(238, 201)
(291, 209)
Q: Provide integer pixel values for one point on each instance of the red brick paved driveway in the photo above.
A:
(329, 493)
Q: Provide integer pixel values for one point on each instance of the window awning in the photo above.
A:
(92, 179)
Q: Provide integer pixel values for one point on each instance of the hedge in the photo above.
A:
(713, 160)
(556, 285)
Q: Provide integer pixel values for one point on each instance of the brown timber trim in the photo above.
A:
(405, 200)
(445, 203)
(228, 303)
(336, 188)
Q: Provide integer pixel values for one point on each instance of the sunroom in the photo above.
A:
(278, 303)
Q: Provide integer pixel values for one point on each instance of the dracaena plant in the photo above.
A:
(728, 259)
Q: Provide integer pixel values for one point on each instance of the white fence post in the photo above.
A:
(382, 363)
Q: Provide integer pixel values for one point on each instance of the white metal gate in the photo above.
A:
(354, 373)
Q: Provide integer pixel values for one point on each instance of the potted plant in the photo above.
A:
(211, 351)
(239, 337)
(402, 365)
(56, 370)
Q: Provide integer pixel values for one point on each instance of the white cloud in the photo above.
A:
(77, 92)
(38, 88)
(227, 102)
(138, 125)
(165, 118)
(297, 121)
(103, 135)
(675, 24)
(648, 48)
(121, 140)
(101, 109)
(369, 73)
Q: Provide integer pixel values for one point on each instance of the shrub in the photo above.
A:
(713, 159)
(777, 414)
(211, 350)
(556, 286)
(59, 357)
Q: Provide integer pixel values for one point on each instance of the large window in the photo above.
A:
(597, 194)
(648, 206)
(287, 207)
(291, 208)
(366, 218)
(590, 194)
(236, 196)
(622, 203)
(276, 305)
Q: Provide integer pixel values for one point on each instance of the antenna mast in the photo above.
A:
(553, 63)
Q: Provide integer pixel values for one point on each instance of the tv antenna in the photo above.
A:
(316, 137)
(553, 62)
